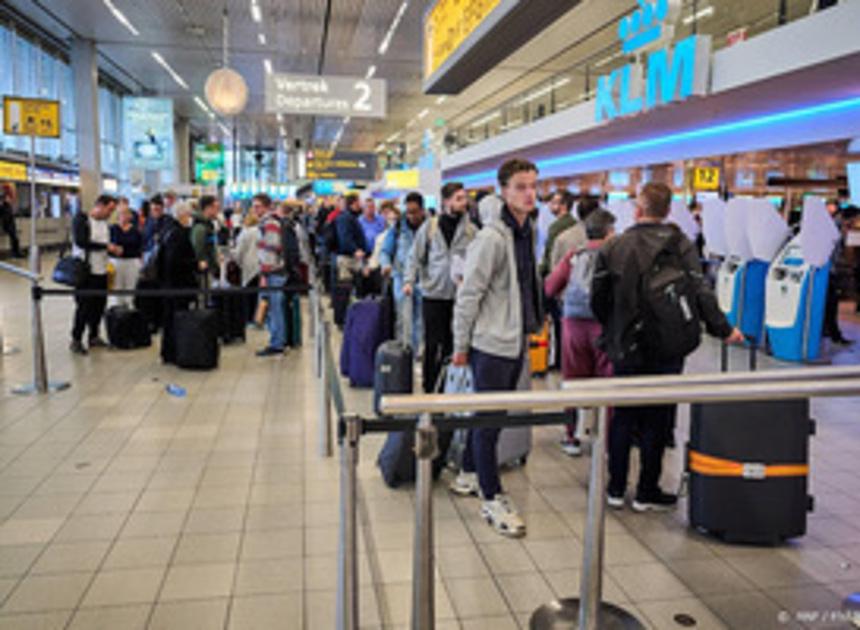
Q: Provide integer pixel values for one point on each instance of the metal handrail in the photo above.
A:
(674, 392)
(598, 395)
(19, 271)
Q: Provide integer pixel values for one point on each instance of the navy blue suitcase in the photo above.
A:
(362, 335)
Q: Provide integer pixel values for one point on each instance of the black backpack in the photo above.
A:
(670, 322)
(290, 251)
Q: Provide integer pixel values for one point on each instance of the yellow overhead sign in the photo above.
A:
(706, 178)
(402, 180)
(447, 25)
(13, 171)
(31, 117)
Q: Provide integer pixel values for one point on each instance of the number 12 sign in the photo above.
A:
(312, 95)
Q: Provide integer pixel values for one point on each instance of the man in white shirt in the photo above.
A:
(91, 237)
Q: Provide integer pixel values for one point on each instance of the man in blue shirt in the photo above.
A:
(372, 224)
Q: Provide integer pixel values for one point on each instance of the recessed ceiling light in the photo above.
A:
(441, 100)
(120, 17)
(262, 39)
(423, 113)
(370, 72)
(256, 12)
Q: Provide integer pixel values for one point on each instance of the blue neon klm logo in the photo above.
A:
(673, 74)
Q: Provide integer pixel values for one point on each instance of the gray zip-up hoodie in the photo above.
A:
(488, 314)
(430, 262)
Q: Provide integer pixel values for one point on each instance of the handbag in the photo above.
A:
(71, 272)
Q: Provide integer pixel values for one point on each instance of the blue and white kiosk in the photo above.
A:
(797, 286)
(754, 234)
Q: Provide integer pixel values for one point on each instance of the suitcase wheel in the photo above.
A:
(813, 427)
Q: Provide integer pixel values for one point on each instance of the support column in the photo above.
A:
(86, 73)
(182, 166)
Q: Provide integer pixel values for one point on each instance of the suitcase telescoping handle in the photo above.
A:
(753, 355)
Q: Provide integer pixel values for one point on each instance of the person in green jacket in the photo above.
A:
(561, 206)
(203, 237)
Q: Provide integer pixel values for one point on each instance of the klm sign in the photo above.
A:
(672, 73)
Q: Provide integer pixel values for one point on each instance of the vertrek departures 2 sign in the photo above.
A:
(325, 96)
(672, 73)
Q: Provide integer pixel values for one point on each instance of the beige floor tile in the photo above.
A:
(91, 527)
(165, 501)
(271, 544)
(566, 584)
(107, 502)
(551, 555)
(507, 556)
(460, 562)
(396, 604)
(709, 577)
(476, 597)
(749, 610)
(135, 553)
(266, 612)
(38, 621)
(43, 593)
(114, 618)
(16, 560)
(625, 549)
(270, 576)
(771, 571)
(72, 557)
(207, 548)
(128, 586)
(6, 587)
(395, 566)
(23, 531)
(266, 517)
(215, 521)
(505, 622)
(526, 591)
(198, 581)
(321, 610)
(150, 524)
(644, 582)
(192, 615)
(663, 614)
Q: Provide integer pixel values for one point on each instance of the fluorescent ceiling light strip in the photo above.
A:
(201, 104)
(121, 18)
(256, 12)
(745, 124)
(262, 39)
(267, 64)
(169, 69)
(393, 137)
(486, 119)
(386, 41)
(371, 71)
(441, 100)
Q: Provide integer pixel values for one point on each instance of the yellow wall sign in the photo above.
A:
(447, 26)
(706, 178)
(31, 117)
(402, 180)
(13, 171)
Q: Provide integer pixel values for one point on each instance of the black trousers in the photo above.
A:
(831, 310)
(651, 424)
(90, 310)
(438, 338)
(552, 307)
(251, 299)
(7, 222)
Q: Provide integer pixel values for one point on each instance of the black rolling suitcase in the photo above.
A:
(127, 328)
(149, 306)
(196, 335)
(392, 371)
(231, 317)
(748, 465)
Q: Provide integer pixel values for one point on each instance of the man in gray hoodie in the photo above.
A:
(440, 247)
(498, 305)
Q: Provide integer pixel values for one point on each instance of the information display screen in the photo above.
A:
(148, 131)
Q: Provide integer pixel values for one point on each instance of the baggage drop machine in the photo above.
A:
(796, 296)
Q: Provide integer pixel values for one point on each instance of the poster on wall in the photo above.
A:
(148, 132)
(209, 163)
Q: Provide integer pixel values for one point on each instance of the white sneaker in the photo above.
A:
(466, 484)
(571, 447)
(502, 515)
(616, 503)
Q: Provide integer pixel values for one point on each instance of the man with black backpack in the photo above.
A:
(650, 296)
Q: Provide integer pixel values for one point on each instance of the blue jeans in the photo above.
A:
(400, 301)
(491, 374)
(275, 321)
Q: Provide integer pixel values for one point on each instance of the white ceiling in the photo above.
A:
(187, 33)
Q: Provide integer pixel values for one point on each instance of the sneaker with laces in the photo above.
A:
(501, 514)
(571, 447)
(659, 502)
(616, 502)
(465, 485)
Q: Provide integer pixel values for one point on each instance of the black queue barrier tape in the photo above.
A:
(482, 420)
(40, 292)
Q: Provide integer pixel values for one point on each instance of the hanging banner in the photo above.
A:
(31, 117)
(148, 132)
(209, 163)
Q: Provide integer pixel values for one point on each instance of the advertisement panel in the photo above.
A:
(209, 163)
(148, 132)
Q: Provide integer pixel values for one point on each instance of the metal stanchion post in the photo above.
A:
(589, 611)
(423, 585)
(347, 584)
(325, 437)
(40, 383)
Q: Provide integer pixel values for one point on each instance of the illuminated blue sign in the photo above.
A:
(673, 74)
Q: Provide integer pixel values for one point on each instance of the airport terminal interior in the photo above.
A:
(241, 239)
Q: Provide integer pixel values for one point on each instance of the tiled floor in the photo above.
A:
(122, 507)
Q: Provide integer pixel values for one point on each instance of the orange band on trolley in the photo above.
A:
(717, 467)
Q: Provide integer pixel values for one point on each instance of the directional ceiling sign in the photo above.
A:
(341, 165)
(312, 95)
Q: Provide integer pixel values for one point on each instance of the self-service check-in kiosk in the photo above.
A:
(797, 287)
(754, 233)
